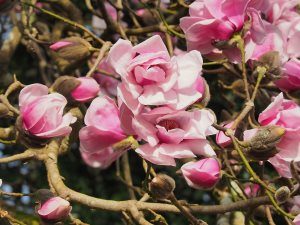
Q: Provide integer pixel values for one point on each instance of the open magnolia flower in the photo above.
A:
(173, 134)
(150, 77)
(103, 129)
(212, 22)
(42, 114)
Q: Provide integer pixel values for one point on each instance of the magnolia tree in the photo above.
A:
(182, 96)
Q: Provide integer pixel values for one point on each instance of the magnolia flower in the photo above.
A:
(211, 22)
(296, 221)
(86, 90)
(151, 77)
(203, 174)
(54, 209)
(251, 190)
(173, 134)
(222, 139)
(290, 79)
(42, 113)
(102, 158)
(103, 129)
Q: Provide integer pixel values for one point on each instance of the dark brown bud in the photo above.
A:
(28, 139)
(282, 194)
(4, 111)
(263, 145)
(271, 61)
(222, 45)
(162, 186)
(42, 195)
(73, 48)
(65, 85)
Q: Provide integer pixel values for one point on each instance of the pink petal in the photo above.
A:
(151, 154)
(31, 92)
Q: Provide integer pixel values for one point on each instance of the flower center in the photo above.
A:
(169, 124)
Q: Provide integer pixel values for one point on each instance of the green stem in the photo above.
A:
(277, 207)
(241, 45)
(247, 165)
(215, 63)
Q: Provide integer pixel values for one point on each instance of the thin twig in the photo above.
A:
(102, 52)
(66, 20)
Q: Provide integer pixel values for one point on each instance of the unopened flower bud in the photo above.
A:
(282, 194)
(54, 210)
(73, 48)
(43, 195)
(162, 186)
(65, 85)
(86, 90)
(251, 190)
(271, 61)
(262, 145)
(3, 110)
(203, 174)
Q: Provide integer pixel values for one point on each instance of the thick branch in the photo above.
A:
(22, 156)
(117, 206)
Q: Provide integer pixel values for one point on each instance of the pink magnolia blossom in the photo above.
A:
(42, 113)
(290, 29)
(222, 139)
(274, 41)
(55, 209)
(281, 10)
(213, 21)
(290, 79)
(86, 90)
(102, 158)
(284, 113)
(107, 83)
(203, 174)
(173, 134)
(60, 44)
(295, 208)
(251, 190)
(151, 77)
(296, 221)
(103, 129)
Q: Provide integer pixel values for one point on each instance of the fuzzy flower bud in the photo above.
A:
(282, 194)
(72, 48)
(262, 145)
(162, 186)
(203, 174)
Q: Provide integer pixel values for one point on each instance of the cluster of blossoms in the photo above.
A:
(265, 26)
(154, 101)
(154, 96)
(159, 99)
